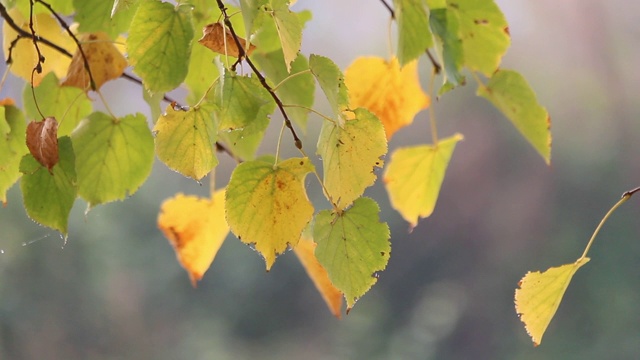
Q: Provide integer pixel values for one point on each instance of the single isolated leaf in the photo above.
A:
(414, 176)
(42, 141)
(484, 32)
(331, 82)
(540, 294)
(241, 100)
(414, 37)
(350, 155)
(219, 39)
(113, 156)
(392, 93)
(185, 140)
(12, 146)
(105, 61)
(511, 93)
(196, 229)
(159, 44)
(267, 205)
(24, 57)
(67, 104)
(330, 294)
(48, 196)
(353, 246)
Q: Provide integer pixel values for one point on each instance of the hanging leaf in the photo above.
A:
(392, 93)
(331, 82)
(159, 44)
(414, 37)
(202, 73)
(12, 147)
(331, 296)
(48, 195)
(414, 176)
(241, 100)
(274, 200)
(113, 156)
(42, 141)
(540, 294)
(510, 93)
(445, 25)
(219, 39)
(289, 28)
(185, 140)
(353, 246)
(350, 155)
(111, 17)
(105, 61)
(196, 229)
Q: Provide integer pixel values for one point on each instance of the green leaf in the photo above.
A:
(241, 100)
(267, 205)
(350, 155)
(331, 81)
(99, 15)
(12, 147)
(484, 33)
(67, 104)
(298, 90)
(48, 197)
(159, 44)
(353, 246)
(510, 93)
(289, 29)
(185, 140)
(414, 176)
(122, 6)
(253, 14)
(113, 156)
(203, 72)
(444, 24)
(414, 37)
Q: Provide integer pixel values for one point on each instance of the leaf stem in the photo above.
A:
(278, 146)
(310, 110)
(625, 196)
(275, 88)
(432, 113)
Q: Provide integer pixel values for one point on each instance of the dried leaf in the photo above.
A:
(219, 39)
(105, 61)
(42, 141)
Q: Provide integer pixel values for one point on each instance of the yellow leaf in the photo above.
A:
(318, 274)
(196, 229)
(105, 61)
(24, 54)
(540, 294)
(390, 92)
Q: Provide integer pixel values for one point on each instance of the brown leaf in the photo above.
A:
(42, 141)
(219, 39)
(105, 61)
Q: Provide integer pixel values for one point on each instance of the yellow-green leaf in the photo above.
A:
(113, 156)
(289, 28)
(350, 154)
(241, 100)
(414, 176)
(331, 82)
(510, 93)
(108, 16)
(12, 147)
(185, 140)
(414, 37)
(353, 246)
(540, 294)
(267, 205)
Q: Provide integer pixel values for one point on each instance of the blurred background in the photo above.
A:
(116, 291)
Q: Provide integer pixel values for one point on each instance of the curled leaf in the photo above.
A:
(42, 141)
(219, 39)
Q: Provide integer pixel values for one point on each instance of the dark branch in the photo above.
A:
(393, 14)
(34, 37)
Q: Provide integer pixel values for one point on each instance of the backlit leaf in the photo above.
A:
(392, 93)
(540, 294)
(108, 16)
(414, 37)
(113, 156)
(159, 44)
(241, 100)
(42, 141)
(414, 176)
(350, 155)
(331, 296)
(289, 29)
(331, 81)
(196, 228)
(67, 104)
(352, 246)
(267, 205)
(444, 23)
(185, 140)
(12, 147)
(510, 93)
(122, 5)
(219, 39)
(202, 73)
(48, 197)
(105, 61)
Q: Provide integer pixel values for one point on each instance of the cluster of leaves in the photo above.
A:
(101, 157)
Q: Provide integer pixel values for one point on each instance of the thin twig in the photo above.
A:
(393, 14)
(34, 37)
(436, 67)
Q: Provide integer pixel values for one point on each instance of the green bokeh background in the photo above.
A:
(116, 291)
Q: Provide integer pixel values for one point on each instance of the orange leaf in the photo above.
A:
(392, 93)
(105, 61)
(196, 228)
(42, 141)
(219, 39)
(7, 102)
(331, 295)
